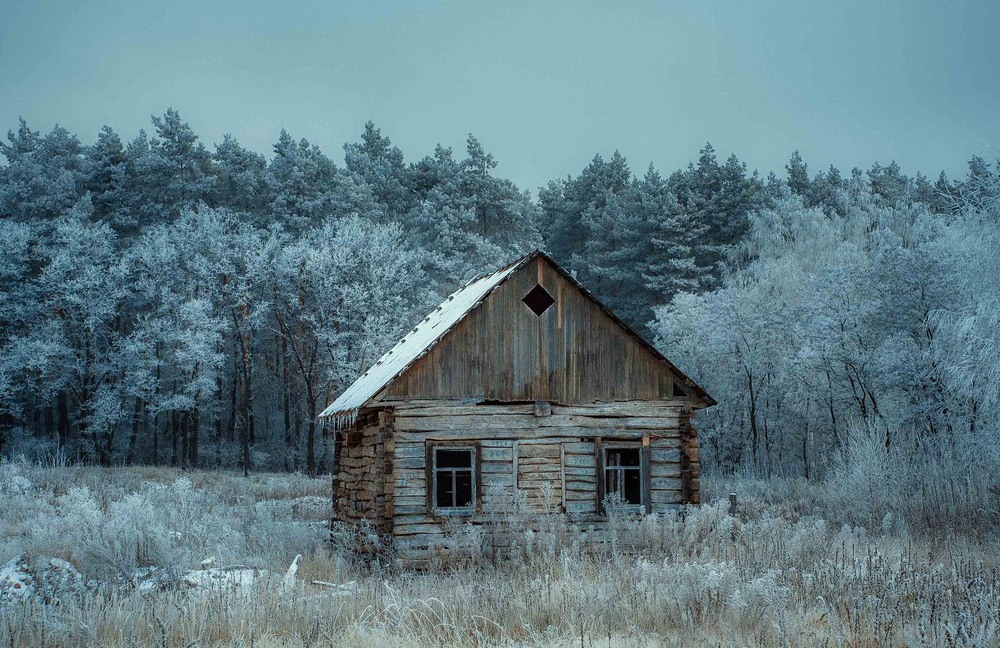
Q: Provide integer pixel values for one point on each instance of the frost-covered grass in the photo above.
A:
(776, 573)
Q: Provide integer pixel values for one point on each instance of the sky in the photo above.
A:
(543, 85)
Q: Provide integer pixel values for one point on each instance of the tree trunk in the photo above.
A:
(311, 441)
(62, 403)
(173, 439)
(290, 458)
(193, 440)
(134, 437)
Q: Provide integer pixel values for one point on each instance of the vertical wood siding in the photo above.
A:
(502, 351)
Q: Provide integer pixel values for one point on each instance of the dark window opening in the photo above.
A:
(623, 474)
(453, 478)
(538, 300)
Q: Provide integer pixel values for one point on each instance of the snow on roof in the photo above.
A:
(415, 344)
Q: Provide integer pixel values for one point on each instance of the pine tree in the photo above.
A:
(798, 175)
(377, 163)
(241, 178)
(106, 177)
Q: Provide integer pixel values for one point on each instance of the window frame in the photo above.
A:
(601, 449)
(432, 474)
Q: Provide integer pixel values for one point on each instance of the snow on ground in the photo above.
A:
(47, 579)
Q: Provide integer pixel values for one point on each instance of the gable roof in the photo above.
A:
(425, 335)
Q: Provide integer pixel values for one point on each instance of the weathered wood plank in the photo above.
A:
(672, 483)
(666, 455)
(581, 506)
(521, 435)
(672, 470)
(409, 450)
(505, 481)
(581, 486)
(496, 467)
(402, 463)
(579, 447)
(442, 408)
(435, 407)
(538, 451)
(497, 454)
(622, 408)
(472, 425)
(581, 461)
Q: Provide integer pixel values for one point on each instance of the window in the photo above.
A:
(452, 479)
(538, 300)
(623, 474)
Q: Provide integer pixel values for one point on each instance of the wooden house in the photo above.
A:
(521, 380)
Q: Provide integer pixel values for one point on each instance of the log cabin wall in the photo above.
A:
(550, 454)
(572, 353)
(364, 471)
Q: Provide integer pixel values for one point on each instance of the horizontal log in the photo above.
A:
(497, 454)
(624, 408)
(497, 467)
(665, 455)
(581, 486)
(471, 425)
(410, 500)
(496, 443)
(444, 408)
(539, 461)
(537, 450)
(661, 499)
(674, 483)
(498, 481)
(408, 450)
(521, 435)
(579, 447)
(427, 529)
(536, 480)
(467, 425)
(405, 487)
(586, 473)
(581, 506)
(401, 406)
(401, 463)
(672, 470)
(581, 461)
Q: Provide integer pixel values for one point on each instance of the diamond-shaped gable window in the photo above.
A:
(538, 300)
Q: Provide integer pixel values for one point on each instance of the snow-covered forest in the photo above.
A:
(167, 302)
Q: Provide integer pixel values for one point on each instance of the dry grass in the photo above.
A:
(775, 574)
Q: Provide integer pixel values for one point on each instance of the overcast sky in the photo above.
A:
(544, 85)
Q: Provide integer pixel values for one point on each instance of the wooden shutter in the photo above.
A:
(540, 465)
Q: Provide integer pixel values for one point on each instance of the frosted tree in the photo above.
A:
(105, 178)
(72, 351)
(44, 174)
(241, 177)
(337, 294)
(375, 162)
(564, 203)
(468, 220)
(305, 187)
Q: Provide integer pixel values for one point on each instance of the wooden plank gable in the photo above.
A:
(573, 352)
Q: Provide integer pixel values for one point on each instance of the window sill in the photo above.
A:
(462, 511)
(631, 509)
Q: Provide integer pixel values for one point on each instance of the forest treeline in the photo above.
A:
(165, 302)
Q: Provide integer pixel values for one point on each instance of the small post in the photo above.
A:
(732, 504)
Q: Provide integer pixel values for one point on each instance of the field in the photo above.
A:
(788, 569)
